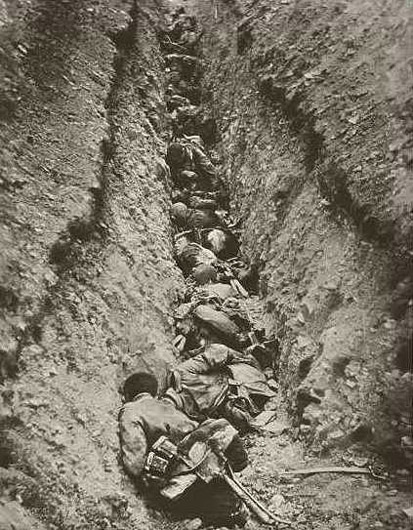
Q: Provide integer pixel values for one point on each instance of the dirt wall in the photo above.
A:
(87, 277)
(313, 107)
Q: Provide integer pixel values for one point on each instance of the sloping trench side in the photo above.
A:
(87, 275)
(313, 106)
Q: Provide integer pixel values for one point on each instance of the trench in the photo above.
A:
(226, 282)
(219, 295)
(206, 239)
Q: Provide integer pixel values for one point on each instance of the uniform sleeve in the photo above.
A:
(219, 355)
(134, 445)
(203, 164)
(216, 356)
(203, 363)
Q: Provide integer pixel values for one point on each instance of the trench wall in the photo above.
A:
(313, 107)
(87, 277)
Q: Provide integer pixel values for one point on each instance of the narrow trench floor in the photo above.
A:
(320, 501)
(337, 500)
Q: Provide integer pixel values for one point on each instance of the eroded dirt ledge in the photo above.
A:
(87, 275)
(312, 102)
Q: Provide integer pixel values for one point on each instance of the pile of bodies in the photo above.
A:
(184, 442)
(228, 363)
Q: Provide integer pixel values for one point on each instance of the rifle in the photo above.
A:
(235, 284)
(263, 513)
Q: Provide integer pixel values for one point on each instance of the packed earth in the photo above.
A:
(181, 173)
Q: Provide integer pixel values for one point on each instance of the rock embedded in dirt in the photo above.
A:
(263, 418)
(14, 517)
(276, 427)
(277, 502)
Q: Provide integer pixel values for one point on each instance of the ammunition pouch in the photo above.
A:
(160, 461)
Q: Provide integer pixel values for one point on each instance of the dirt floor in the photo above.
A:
(322, 500)
(308, 112)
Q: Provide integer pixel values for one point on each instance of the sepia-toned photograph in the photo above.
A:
(206, 264)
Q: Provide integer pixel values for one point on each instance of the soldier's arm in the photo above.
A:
(203, 164)
(214, 357)
(134, 446)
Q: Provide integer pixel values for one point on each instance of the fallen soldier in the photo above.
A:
(221, 382)
(187, 155)
(190, 254)
(174, 455)
(193, 218)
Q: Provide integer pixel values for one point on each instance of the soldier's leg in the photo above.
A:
(215, 503)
